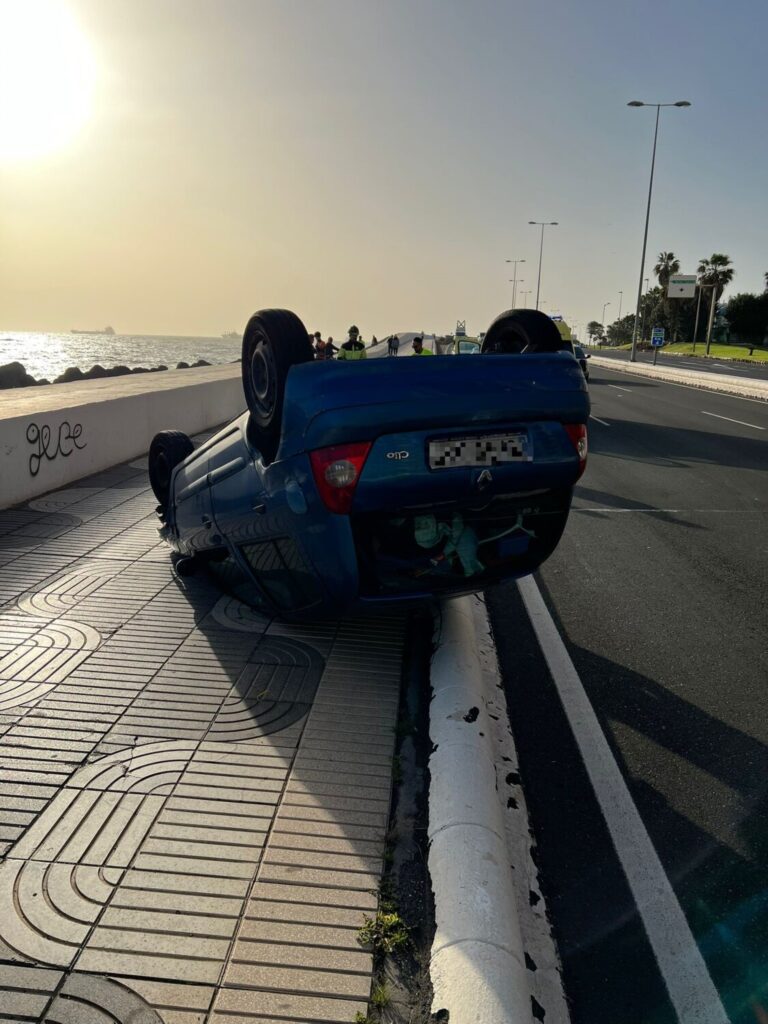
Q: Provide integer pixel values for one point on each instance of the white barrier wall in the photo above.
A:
(53, 435)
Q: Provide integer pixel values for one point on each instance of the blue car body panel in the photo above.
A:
(334, 403)
(413, 530)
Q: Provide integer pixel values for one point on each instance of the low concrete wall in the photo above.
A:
(746, 387)
(51, 436)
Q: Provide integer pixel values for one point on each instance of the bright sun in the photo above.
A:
(46, 78)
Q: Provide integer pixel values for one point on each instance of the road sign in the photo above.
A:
(682, 286)
(657, 337)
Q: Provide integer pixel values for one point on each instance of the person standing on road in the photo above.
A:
(330, 348)
(418, 347)
(353, 347)
(394, 345)
(318, 345)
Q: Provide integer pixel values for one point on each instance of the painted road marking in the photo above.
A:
(696, 387)
(728, 418)
(597, 418)
(682, 966)
(616, 386)
(684, 511)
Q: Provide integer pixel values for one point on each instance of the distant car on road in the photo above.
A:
(466, 347)
(378, 480)
(582, 357)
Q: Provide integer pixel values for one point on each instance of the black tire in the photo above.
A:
(168, 449)
(274, 341)
(523, 331)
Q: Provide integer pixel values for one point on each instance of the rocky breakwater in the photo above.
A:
(14, 375)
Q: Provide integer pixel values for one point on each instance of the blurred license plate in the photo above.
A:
(490, 450)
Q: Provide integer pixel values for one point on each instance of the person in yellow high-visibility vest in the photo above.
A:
(352, 348)
(418, 347)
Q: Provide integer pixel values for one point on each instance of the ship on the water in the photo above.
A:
(231, 336)
(104, 330)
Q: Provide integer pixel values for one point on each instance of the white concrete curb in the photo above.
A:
(748, 387)
(477, 962)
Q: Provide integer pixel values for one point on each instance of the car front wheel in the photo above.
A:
(168, 449)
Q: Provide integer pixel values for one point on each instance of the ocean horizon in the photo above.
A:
(46, 354)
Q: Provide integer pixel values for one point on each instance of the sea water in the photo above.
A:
(48, 355)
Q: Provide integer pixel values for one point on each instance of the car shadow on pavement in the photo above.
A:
(605, 499)
(701, 786)
(632, 440)
(319, 699)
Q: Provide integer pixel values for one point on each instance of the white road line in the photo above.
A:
(686, 511)
(616, 386)
(728, 418)
(723, 394)
(597, 418)
(682, 966)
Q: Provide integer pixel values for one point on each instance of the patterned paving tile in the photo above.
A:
(194, 798)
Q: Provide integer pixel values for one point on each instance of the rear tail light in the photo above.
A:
(336, 471)
(578, 435)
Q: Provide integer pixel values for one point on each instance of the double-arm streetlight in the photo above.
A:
(543, 224)
(514, 280)
(525, 293)
(640, 103)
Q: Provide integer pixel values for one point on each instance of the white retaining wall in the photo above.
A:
(53, 435)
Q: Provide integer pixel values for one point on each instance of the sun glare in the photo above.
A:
(46, 78)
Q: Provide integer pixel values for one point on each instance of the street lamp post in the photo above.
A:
(621, 297)
(543, 224)
(514, 280)
(642, 314)
(525, 295)
(602, 318)
(640, 103)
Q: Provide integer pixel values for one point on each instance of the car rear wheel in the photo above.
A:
(274, 341)
(523, 331)
(168, 449)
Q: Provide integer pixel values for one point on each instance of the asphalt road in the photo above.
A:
(658, 590)
(742, 370)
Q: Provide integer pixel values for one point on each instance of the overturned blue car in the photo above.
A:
(379, 480)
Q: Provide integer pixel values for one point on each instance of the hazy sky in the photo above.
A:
(376, 161)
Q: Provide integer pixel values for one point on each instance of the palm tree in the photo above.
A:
(718, 271)
(668, 264)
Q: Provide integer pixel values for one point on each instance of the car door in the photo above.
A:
(192, 500)
(237, 489)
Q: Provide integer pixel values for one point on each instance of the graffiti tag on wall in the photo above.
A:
(50, 444)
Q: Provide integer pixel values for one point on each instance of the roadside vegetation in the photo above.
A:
(716, 352)
(739, 328)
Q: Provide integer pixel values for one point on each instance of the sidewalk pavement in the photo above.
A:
(193, 798)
